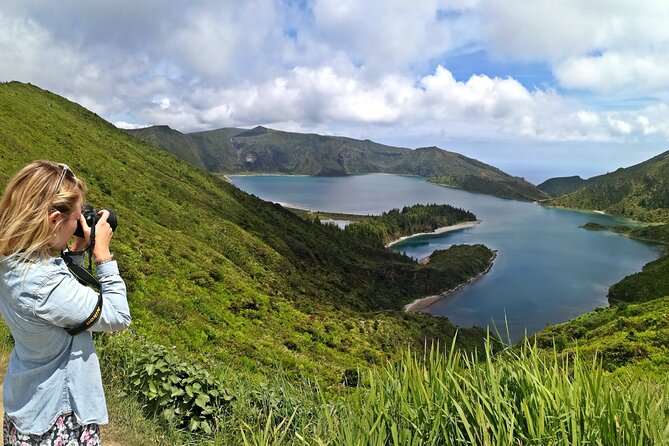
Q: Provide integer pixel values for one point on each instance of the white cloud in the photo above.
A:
(480, 97)
(597, 45)
(613, 70)
(29, 54)
(128, 125)
(587, 118)
(390, 35)
(362, 69)
(437, 107)
(554, 31)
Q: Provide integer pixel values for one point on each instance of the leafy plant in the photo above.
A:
(183, 394)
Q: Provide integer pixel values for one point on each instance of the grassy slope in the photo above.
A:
(629, 337)
(221, 274)
(180, 145)
(640, 192)
(273, 151)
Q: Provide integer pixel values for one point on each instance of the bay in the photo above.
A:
(548, 270)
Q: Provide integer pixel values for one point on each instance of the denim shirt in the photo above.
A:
(51, 372)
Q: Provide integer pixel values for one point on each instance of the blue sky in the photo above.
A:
(538, 88)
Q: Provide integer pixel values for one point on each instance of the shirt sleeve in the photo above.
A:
(64, 302)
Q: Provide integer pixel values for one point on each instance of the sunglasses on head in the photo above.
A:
(65, 170)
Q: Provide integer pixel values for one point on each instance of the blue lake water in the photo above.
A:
(548, 270)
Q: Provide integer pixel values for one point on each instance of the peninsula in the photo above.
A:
(411, 221)
(442, 230)
(423, 303)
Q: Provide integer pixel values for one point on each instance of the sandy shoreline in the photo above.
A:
(463, 225)
(424, 302)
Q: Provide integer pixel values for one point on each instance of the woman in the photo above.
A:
(53, 389)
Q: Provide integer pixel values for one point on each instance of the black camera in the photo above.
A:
(92, 217)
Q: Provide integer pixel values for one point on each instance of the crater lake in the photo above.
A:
(547, 270)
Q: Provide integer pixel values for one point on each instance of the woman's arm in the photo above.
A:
(64, 302)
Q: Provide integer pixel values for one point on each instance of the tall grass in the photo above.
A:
(517, 397)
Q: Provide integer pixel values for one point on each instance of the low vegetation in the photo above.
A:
(629, 338)
(512, 396)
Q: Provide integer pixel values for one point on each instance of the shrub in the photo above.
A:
(183, 394)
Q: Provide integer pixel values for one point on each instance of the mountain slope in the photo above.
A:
(263, 150)
(640, 191)
(453, 169)
(191, 148)
(220, 274)
(556, 187)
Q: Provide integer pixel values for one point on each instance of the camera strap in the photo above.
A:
(85, 278)
(91, 245)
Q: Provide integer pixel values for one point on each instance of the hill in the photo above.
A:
(556, 187)
(221, 275)
(628, 337)
(453, 169)
(640, 192)
(263, 150)
(195, 148)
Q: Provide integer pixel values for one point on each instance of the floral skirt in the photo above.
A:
(65, 432)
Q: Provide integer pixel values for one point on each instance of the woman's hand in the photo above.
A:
(82, 243)
(103, 236)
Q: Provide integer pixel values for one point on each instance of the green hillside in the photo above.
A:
(221, 274)
(556, 187)
(453, 169)
(197, 148)
(652, 281)
(263, 150)
(629, 337)
(284, 314)
(640, 192)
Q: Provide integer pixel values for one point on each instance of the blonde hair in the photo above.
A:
(39, 189)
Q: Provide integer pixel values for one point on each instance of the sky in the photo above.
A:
(538, 88)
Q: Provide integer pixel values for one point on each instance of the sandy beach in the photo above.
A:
(424, 302)
(463, 225)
